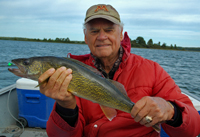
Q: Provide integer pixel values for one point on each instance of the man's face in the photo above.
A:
(103, 38)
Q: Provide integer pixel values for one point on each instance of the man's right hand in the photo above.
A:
(57, 86)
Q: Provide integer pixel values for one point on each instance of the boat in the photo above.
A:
(22, 112)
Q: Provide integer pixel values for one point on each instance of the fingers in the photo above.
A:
(45, 76)
(57, 86)
(62, 84)
(58, 78)
(65, 84)
(141, 110)
(55, 82)
(156, 108)
(138, 111)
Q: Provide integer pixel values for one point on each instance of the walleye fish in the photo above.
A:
(86, 82)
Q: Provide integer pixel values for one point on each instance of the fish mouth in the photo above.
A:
(17, 72)
(20, 71)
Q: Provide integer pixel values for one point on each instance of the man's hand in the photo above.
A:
(155, 107)
(57, 86)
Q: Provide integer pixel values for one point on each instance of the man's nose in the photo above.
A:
(102, 35)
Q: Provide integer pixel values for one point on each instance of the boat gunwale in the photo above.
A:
(7, 89)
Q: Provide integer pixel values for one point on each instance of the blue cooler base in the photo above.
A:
(163, 134)
(34, 107)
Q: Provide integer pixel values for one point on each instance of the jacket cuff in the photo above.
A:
(60, 122)
(69, 115)
(177, 118)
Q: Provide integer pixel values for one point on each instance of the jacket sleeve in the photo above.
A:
(166, 88)
(56, 126)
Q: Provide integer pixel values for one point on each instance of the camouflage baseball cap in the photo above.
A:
(102, 11)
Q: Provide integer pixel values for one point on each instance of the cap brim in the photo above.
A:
(112, 19)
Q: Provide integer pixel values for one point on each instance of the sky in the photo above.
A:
(165, 21)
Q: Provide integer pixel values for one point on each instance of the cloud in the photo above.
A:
(167, 19)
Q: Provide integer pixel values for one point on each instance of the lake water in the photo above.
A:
(183, 66)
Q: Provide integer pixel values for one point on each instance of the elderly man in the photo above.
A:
(158, 99)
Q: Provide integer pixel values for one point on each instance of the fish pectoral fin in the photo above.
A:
(45, 81)
(110, 113)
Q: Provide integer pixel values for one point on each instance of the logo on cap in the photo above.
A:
(101, 8)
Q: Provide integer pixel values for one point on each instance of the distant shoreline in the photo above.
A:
(57, 40)
(133, 44)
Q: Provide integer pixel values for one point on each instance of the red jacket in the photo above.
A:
(140, 77)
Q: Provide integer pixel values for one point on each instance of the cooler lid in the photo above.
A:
(24, 83)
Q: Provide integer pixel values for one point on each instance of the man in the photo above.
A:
(157, 98)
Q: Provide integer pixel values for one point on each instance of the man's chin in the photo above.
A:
(105, 54)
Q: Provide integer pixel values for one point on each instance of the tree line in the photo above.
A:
(139, 42)
(57, 40)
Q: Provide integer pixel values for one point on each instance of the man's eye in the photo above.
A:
(95, 31)
(109, 30)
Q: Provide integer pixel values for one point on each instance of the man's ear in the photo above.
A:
(121, 35)
(85, 36)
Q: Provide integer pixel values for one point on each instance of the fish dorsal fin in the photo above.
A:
(120, 87)
(86, 66)
(110, 113)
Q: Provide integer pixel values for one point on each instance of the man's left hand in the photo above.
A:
(155, 107)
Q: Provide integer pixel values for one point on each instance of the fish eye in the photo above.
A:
(26, 62)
